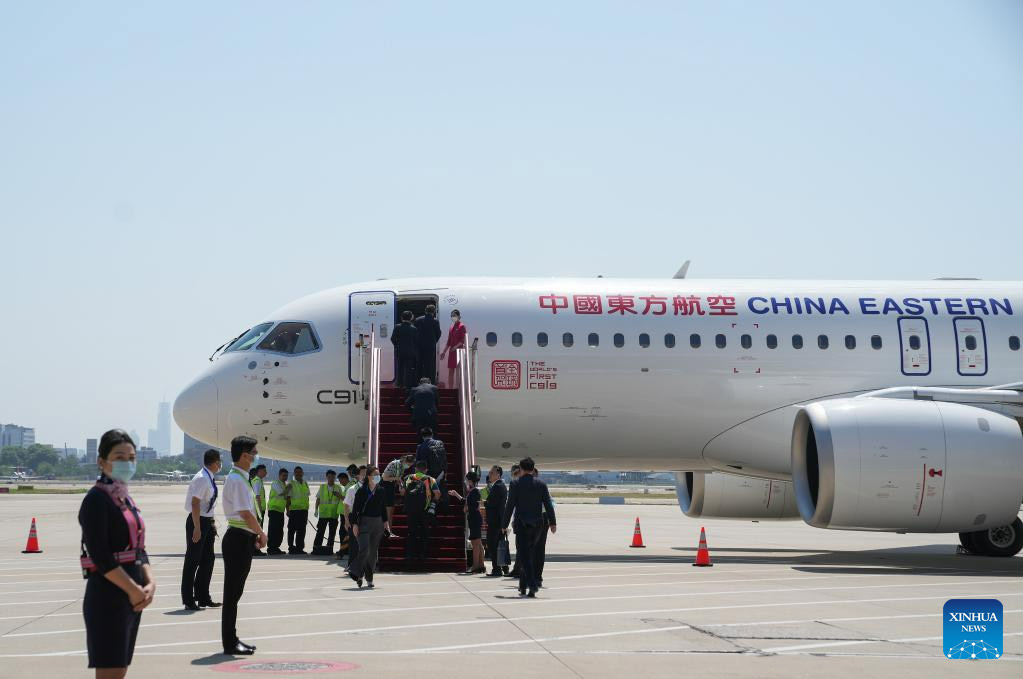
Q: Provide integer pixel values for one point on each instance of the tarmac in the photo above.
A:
(783, 599)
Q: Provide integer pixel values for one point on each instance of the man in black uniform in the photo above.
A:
(527, 498)
(405, 341)
(428, 329)
(423, 400)
(540, 550)
(496, 500)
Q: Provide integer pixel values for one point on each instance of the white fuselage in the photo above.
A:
(646, 405)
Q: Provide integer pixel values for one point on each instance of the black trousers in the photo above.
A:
(321, 525)
(525, 543)
(494, 535)
(275, 533)
(296, 529)
(540, 551)
(428, 363)
(353, 547)
(418, 534)
(237, 549)
(198, 569)
(405, 375)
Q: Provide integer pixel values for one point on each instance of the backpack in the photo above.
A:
(415, 498)
(437, 461)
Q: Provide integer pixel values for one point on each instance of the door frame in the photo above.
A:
(902, 348)
(983, 337)
(351, 336)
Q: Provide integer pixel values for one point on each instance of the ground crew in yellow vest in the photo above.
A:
(421, 496)
(275, 509)
(298, 512)
(256, 476)
(328, 509)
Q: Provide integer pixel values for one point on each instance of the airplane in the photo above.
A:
(18, 476)
(891, 406)
(175, 475)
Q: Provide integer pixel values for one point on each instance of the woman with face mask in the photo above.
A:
(474, 519)
(456, 340)
(114, 562)
(369, 522)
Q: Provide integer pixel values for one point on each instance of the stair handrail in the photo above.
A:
(373, 438)
(475, 349)
(465, 399)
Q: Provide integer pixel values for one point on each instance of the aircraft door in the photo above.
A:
(971, 346)
(371, 312)
(915, 345)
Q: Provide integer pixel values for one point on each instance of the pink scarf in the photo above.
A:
(118, 490)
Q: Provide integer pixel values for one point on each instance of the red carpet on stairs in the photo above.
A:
(446, 547)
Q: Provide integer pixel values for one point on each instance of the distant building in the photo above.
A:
(18, 437)
(91, 450)
(193, 450)
(71, 452)
(146, 454)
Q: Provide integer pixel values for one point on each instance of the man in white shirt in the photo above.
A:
(243, 533)
(200, 531)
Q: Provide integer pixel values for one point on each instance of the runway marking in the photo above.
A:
(595, 635)
(559, 616)
(857, 642)
(370, 597)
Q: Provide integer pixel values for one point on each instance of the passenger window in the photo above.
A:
(290, 338)
(516, 339)
(719, 341)
(644, 340)
(491, 339)
(797, 341)
(850, 342)
(875, 342)
(822, 341)
(772, 341)
(249, 338)
(694, 341)
(1014, 343)
(619, 340)
(567, 339)
(593, 339)
(746, 341)
(541, 339)
(971, 343)
(669, 341)
(914, 342)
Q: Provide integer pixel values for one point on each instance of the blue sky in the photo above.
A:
(173, 171)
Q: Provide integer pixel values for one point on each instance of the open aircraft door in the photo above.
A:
(971, 346)
(371, 312)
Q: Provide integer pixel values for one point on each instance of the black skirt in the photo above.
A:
(110, 625)
(475, 525)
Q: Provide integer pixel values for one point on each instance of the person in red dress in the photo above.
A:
(456, 340)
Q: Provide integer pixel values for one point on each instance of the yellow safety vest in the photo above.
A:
(257, 495)
(299, 495)
(330, 503)
(277, 502)
(240, 523)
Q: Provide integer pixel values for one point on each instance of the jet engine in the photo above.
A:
(729, 496)
(917, 466)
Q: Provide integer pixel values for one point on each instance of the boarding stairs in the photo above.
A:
(392, 435)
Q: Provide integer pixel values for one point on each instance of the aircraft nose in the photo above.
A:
(195, 410)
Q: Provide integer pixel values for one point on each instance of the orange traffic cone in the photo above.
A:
(637, 536)
(703, 554)
(32, 546)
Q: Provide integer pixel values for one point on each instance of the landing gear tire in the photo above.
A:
(999, 541)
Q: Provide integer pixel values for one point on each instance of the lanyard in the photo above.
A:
(213, 500)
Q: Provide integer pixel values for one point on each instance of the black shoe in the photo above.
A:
(191, 606)
(494, 574)
(504, 570)
(522, 591)
(512, 574)
(258, 553)
(358, 581)
(273, 551)
(239, 649)
(369, 583)
(532, 593)
(210, 604)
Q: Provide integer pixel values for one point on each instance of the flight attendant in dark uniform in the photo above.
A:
(474, 519)
(114, 562)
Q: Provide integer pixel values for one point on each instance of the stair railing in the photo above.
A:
(475, 349)
(465, 400)
(373, 403)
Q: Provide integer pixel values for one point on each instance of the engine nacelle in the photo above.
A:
(906, 465)
(729, 496)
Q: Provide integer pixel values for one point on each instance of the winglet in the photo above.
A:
(681, 273)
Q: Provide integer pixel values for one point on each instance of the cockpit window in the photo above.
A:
(249, 338)
(290, 338)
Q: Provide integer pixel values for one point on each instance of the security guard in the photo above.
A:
(298, 512)
(275, 508)
(328, 508)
